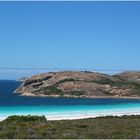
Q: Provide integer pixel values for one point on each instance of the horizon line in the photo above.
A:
(84, 69)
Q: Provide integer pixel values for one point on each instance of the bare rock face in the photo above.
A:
(80, 84)
(130, 76)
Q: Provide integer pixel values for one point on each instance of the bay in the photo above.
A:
(61, 108)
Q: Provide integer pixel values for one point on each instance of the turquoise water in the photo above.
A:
(61, 108)
(71, 111)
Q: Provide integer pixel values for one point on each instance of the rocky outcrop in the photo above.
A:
(81, 84)
(131, 76)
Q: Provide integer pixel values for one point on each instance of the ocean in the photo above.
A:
(61, 108)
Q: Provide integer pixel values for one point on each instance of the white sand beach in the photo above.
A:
(80, 116)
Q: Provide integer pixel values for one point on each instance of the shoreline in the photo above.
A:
(89, 117)
(67, 96)
(84, 116)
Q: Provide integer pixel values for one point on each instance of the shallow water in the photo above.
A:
(63, 108)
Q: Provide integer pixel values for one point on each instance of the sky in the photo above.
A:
(68, 35)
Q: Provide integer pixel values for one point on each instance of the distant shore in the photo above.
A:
(68, 96)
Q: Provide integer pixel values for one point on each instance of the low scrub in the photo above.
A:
(52, 90)
(37, 127)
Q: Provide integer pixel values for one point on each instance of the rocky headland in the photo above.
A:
(81, 84)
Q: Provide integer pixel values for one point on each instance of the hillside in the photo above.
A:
(81, 84)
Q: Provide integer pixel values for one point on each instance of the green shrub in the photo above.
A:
(25, 118)
(66, 80)
(52, 90)
(105, 81)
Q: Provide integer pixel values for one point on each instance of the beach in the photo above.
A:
(71, 112)
(77, 117)
(85, 116)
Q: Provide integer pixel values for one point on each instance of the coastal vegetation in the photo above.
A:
(37, 127)
(51, 90)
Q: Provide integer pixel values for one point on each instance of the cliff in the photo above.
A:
(81, 84)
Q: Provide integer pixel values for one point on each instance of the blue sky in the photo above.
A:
(69, 35)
